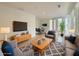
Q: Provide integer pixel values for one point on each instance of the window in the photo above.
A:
(51, 25)
(59, 21)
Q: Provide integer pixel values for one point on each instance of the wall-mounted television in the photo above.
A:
(19, 26)
(44, 24)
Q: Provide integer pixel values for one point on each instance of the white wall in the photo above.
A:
(8, 15)
(39, 23)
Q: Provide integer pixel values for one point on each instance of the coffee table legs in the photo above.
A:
(41, 52)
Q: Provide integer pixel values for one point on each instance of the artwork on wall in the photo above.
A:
(44, 24)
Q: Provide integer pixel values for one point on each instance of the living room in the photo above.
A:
(33, 28)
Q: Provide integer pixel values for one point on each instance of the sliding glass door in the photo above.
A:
(52, 25)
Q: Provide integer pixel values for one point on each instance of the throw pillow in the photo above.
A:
(51, 32)
(72, 39)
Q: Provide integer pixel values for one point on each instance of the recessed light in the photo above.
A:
(59, 6)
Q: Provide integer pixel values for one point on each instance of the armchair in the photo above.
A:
(25, 51)
(7, 49)
(50, 34)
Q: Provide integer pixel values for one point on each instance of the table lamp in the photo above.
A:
(5, 30)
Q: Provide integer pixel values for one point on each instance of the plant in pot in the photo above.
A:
(62, 26)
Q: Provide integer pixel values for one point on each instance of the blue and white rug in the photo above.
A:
(54, 49)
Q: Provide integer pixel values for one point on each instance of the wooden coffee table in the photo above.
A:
(41, 47)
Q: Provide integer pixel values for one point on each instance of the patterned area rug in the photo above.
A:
(55, 49)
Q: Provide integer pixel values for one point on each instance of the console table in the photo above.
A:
(21, 40)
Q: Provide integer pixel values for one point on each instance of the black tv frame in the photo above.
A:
(19, 26)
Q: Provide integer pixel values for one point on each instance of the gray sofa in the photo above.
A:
(71, 48)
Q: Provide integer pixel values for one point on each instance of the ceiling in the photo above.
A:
(42, 9)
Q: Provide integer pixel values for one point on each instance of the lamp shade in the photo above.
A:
(4, 29)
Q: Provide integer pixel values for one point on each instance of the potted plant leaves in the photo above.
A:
(62, 26)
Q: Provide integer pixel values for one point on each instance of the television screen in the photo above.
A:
(44, 24)
(19, 26)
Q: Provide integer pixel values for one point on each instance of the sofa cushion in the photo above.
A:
(69, 52)
(72, 39)
(69, 45)
(70, 48)
(76, 53)
(77, 42)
